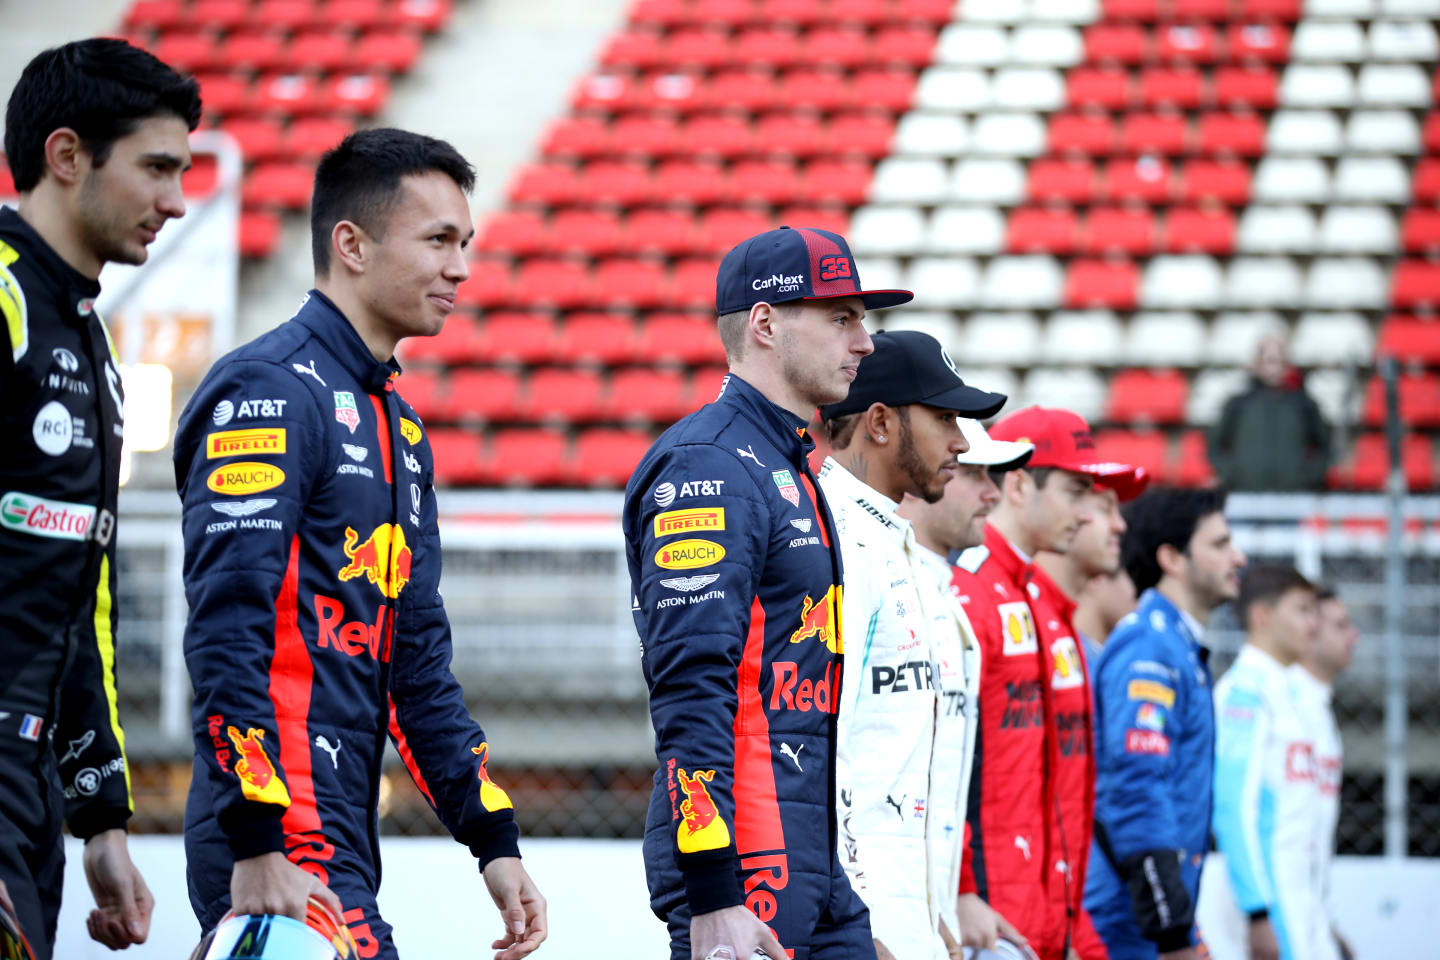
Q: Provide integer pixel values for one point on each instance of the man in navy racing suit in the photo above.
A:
(736, 576)
(312, 568)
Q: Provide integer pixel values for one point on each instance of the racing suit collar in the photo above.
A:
(1064, 605)
(1011, 561)
(1189, 625)
(80, 290)
(1309, 682)
(884, 509)
(787, 431)
(319, 313)
(1262, 660)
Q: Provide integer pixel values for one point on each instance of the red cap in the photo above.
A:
(1062, 440)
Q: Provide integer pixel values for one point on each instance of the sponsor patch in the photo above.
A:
(701, 826)
(412, 462)
(308, 371)
(690, 584)
(410, 430)
(785, 483)
(30, 727)
(1150, 717)
(1018, 627)
(243, 508)
(665, 495)
(54, 428)
(1151, 690)
(688, 521)
(40, 517)
(1067, 672)
(802, 525)
(687, 554)
(241, 443)
(356, 453)
(223, 413)
(247, 476)
(1147, 741)
(345, 409)
(258, 779)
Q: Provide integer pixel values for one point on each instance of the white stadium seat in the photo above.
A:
(1288, 229)
(1291, 180)
(1082, 336)
(1317, 85)
(1304, 131)
(1423, 9)
(1328, 40)
(1209, 391)
(1355, 282)
(887, 230)
(1405, 40)
(1070, 388)
(965, 230)
(931, 135)
(909, 180)
(1063, 11)
(1028, 88)
(1058, 45)
(988, 181)
(1022, 282)
(1358, 230)
(1009, 135)
(1165, 339)
(1263, 282)
(953, 89)
(944, 281)
(1237, 333)
(1009, 338)
(994, 379)
(1393, 85)
(1331, 340)
(1383, 131)
(881, 273)
(1336, 394)
(1340, 9)
(973, 45)
(940, 324)
(1376, 179)
(1184, 282)
(994, 11)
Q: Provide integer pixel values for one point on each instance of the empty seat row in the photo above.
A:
(1367, 466)
(568, 284)
(531, 458)
(774, 46)
(427, 15)
(1148, 11)
(672, 13)
(973, 44)
(325, 51)
(602, 338)
(293, 94)
(842, 181)
(805, 88)
(668, 231)
(794, 134)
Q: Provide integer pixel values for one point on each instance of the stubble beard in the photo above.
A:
(100, 228)
(807, 380)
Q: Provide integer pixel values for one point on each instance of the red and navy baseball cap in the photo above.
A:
(1062, 439)
(794, 264)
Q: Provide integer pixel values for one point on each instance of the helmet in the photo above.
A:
(1003, 950)
(13, 945)
(270, 937)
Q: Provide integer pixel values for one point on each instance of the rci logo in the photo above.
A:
(835, 268)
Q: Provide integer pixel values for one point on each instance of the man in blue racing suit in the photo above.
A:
(1155, 728)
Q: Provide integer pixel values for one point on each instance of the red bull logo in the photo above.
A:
(822, 620)
(383, 558)
(258, 780)
(492, 798)
(703, 828)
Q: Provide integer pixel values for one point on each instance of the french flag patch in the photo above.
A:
(30, 727)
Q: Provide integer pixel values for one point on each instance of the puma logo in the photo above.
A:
(334, 751)
(748, 452)
(308, 371)
(896, 804)
(793, 754)
(1023, 846)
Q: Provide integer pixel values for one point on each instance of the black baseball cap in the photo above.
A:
(794, 264)
(911, 367)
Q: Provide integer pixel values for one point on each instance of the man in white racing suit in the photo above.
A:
(904, 737)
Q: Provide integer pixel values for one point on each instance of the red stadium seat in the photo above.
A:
(1200, 230)
(1129, 231)
(908, 45)
(701, 183)
(224, 93)
(750, 90)
(1419, 400)
(1148, 450)
(867, 12)
(1431, 133)
(1287, 11)
(253, 51)
(394, 51)
(283, 185)
(606, 458)
(1426, 183)
(603, 338)
(631, 283)
(866, 134)
(1104, 87)
(426, 15)
(1200, 9)
(801, 13)
(287, 94)
(515, 337)
(1415, 284)
(259, 232)
(188, 52)
(1181, 87)
(1069, 180)
(646, 395)
(423, 390)
(934, 12)
(154, 14)
(259, 139)
(595, 233)
(564, 394)
(640, 48)
(354, 14)
(648, 136)
(1145, 11)
(692, 284)
(217, 14)
(490, 284)
(1122, 43)
(1193, 468)
(606, 91)
(1187, 42)
(1263, 42)
(1145, 178)
(553, 283)
(887, 88)
(725, 136)
(664, 13)
(706, 48)
(1147, 396)
(686, 338)
(1161, 133)
(547, 184)
(1410, 340)
(623, 183)
(1089, 133)
(528, 458)
(730, 13)
(835, 181)
(488, 395)
(362, 93)
(770, 181)
(1420, 232)
(1253, 87)
(673, 92)
(791, 134)
(283, 14)
(818, 218)
(840, 46)
(1240, 134)
(705, 386)
(325, 50)
(1226, 181)
(1368, 467)
(309, 137)
(1042, 230)
(667, 232)
(1101, 283)
(457, 457)
(811, 88)
(522, 232)
(454, 344)
(202, 177)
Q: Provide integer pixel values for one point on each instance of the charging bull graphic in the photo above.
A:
(703, 828)
(492, 797)
(383, 558)
(258, 780)
(822, 620)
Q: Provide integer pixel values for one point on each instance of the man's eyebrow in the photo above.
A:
(169, 159)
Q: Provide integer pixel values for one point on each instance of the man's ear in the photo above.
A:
(350, 246)
(761, 325)
(1172, 561)
(65, 158)
(880, 424)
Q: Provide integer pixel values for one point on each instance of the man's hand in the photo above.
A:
(521, 907)
(1008, 931)
(1263, 945)
(881, 953)
(122, 900)
(978, 926)
(952, 946)
(270, 883)
(734, 927)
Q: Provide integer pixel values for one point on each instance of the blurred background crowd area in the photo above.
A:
(1206, 225)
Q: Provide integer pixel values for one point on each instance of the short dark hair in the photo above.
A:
(1041, 475)
(1266, 583)
(359, 181)
(1325, 592)
(1161, 516)
(100, 88)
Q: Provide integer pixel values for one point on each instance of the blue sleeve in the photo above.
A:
(442, 746)
(1244, 808)
(240, 515)
(697, 536)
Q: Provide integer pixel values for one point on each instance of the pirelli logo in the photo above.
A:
(1151, 690)
(234, 443)
(690, 521)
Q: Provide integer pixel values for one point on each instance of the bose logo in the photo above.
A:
(778, 280)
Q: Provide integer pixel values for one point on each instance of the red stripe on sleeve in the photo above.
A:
(382, 434)
(291, 677)
(403, 747)
(815, 502)
(757, 809)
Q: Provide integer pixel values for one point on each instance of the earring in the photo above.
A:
(880, 438)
